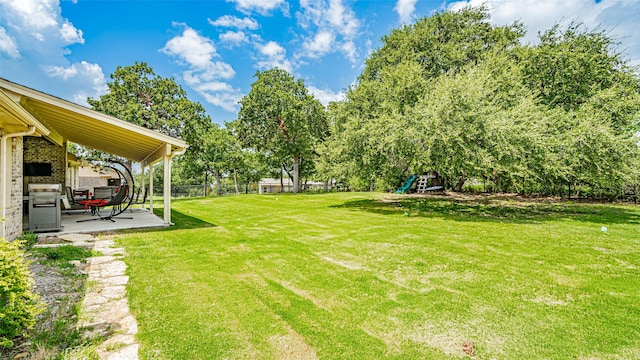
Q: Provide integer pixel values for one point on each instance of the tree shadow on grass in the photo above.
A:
(183, 221)
(497, 210)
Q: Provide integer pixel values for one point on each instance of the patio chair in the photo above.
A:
(71, 203)
(136, 198)
(115, 203)
(103, 192)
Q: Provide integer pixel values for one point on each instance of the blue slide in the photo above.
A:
(407, 185)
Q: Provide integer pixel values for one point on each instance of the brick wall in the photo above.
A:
(13, 224)
(40, 150)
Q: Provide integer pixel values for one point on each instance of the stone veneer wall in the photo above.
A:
(41, 150)
(13, 224)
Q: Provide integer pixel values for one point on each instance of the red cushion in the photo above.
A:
(96, 202)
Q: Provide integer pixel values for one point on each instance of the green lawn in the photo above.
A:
(359, 276)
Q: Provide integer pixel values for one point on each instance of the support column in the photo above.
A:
(142, 185)
(167, 188)
(151, 188)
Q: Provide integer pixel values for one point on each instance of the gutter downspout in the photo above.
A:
(3, 171)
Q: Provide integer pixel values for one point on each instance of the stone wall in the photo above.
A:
(41, 150)
(13, 224)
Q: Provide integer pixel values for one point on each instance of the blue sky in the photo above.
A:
(214, 47)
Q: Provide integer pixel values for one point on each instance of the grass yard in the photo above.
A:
(364, 276)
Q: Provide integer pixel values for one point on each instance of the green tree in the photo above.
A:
(281, 119)
(253, 168)
(442, 43)
(375, 132)
(595, 99)
(137, 95)
(567, 68)
(216, 155)
(455, 94)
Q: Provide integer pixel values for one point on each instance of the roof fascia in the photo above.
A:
(22, 115)
(69, 106)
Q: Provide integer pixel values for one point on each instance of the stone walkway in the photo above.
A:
(105, 309)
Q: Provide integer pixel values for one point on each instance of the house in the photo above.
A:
(270, 185)
(90, 177)
(35, 128)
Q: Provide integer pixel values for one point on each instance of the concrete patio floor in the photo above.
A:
(130, 219)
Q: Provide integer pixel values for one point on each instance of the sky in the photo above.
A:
(213, 48)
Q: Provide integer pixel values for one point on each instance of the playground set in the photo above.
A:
(421, 184)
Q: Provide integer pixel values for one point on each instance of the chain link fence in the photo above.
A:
(178, 191)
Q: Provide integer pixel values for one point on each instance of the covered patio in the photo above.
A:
(137, 218)
(26, 112)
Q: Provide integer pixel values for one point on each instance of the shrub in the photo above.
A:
(19, 304)
(28, 238)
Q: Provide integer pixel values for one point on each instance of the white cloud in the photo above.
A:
(323, 17)
(62, 72)
(203, 73)
(41, 19)
(34, 40)
(198, 51)
(263, 7)
(88, 79)
(215, 86)
(342, 18)
(325, 96)
(8, 44)
(274, 55)
(235, 22)
(272, 48)
(234, 37)
(34, 14)
(405, 9)
(70, 34)
(349, 50)
(226, 98)
(215, 70)
(329, 14)
(321, 44)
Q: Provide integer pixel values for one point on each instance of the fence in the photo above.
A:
(178, 191)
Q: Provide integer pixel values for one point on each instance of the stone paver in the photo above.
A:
(105, 309)
(73, 238)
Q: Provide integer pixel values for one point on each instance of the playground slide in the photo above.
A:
(407, 185)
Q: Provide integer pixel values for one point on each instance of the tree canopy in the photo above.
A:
(280, 119)
(137, 95)
(450, 93)
(455, 94)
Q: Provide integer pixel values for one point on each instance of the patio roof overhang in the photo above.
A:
(28, 112)
(14, 118)
(61, 120)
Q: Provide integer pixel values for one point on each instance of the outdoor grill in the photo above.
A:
(44, 207)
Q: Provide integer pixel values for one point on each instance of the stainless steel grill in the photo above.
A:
(44, 207)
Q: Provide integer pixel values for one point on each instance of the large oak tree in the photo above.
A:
(455, 94)
(281, 119)
(137, 95)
